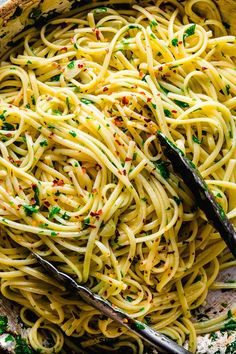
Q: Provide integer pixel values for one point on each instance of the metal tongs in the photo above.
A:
(157, 340)
(204, 197)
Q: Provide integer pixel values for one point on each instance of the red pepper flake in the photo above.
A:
(105, 89)
(83, 169)
(118, 142)
(64, 49)
(80, 66)
(97, 33)
(94, 190)
(120, 173)
(204, 68)
(174, 111)
(58, 183)
(10, 106)
(142, 93)
(149, 99)
(8, 135)
(160, 68)
(124, 172)
(46, 203)
(180, 42)
(134, 86)
(141, 75)
(125, 100)
(128, 159)
(118, 121)
(32, 201)
(10, 159)
(96, 213)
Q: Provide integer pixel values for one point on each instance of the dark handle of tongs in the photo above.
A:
(203, 195)
(157, 340)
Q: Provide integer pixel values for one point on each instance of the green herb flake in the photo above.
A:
(54, 211)
(36, 194)
(72, 133)
(231, 348)
(154, 105)
(22, 347)
(198, 278)
(229, 314)
(135, 154)
(53, 233)
(132, 26)
(174, 42)
(33, 100)
(3, 324)
(30, 209)
(57, 112)
(139, 325)
(181, 104)
(71, 65)
(177, 200)
(86, 223)
(68, 102)
(66, 216)
(9, 338)
(154, 23)
(190, 31)
(29, 62)
(43, 143)
(55, 78)
(196, 140)
(167, 113)
(162, 167)
(86, 101)
(100, 10)
(227, 89)
(213, 336)
(129, 298)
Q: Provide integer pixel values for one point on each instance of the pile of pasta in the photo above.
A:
(83, 180)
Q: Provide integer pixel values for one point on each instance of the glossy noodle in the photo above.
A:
(83, 180)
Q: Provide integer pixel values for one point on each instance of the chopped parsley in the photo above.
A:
(129, 298)
(181, 104)
(72, 133)
(55, 78)
(36, 194)
(135, 154)
(162, 167)
(33, 100)
(167, 113)
(22, 347)
(86, 101)
(53, 233)
(57, 112)
(43, 143)
(196, 140)
(190, 31)
(99, 10)
(174, 42)
(53, 211)
(66, 216)
(177, 200)
(3, 324)
(71, 65)
(86, 223)
(30, 209)
(139, 325)
(9, 338)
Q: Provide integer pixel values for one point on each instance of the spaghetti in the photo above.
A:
(83, 179)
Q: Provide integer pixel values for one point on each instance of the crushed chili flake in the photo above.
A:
(118, 121)
(118, 142)
(83, 169)
(160, 68)
(32, 201)
(64, 49)
(94, 190)
(80, 66)
(174, 111)
(149, 99)
(46, 203)
(128, 159)
(124, 172)
(58, 182)
(96, 213)
(105, 89)
(180, 42)
(125, 100)
(204, 68)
